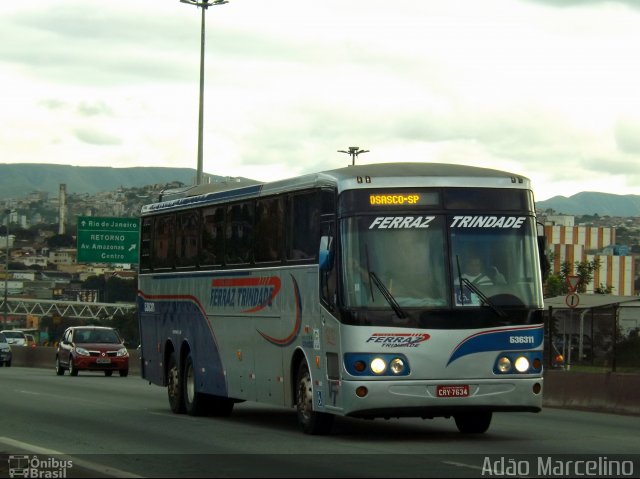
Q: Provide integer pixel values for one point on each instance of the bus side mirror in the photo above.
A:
(542, 251)
(325, 255)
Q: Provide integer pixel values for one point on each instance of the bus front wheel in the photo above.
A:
(174, 386)
(312, 422)
(473, 423)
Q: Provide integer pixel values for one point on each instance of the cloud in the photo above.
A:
(519, 84)
(585, 3)
(627, 135)
(93, 109)
(97, 138)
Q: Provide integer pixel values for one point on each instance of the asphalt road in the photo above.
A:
(122, 427)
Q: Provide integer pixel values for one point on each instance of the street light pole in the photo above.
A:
(6, 271)
(204, 5)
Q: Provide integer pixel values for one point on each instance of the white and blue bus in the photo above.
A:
(348, 292)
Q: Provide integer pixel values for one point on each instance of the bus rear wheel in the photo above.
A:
(312, 422)
(194, 402)
(473, 423)
(174, 386)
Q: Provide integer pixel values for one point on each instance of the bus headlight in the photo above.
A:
(397, 366)
(522, 364)
(518, 362)
(378, 365)
(504, 364)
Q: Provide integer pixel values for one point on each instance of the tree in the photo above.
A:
(127, 326)
(602, 289)
(61, 241)
(97, 283)
(556, 284)
(585, 271)
(118, 289)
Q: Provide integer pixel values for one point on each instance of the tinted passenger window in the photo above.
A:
(212, 251)
(187, 238)
(303, 221)
(269, 229)
(164, 241)
(239, 233)
(145, 244)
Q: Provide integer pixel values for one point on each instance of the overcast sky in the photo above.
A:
(549, 89)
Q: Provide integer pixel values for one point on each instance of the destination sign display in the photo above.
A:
(108, 239)
(395, 199)
(389, 199)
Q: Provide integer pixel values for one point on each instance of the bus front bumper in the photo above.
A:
(440, 398)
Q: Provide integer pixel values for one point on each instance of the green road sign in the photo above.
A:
(108, 240)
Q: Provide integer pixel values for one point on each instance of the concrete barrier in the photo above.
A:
(617, 393)
(45, 357)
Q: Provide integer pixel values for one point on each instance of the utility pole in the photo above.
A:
(204, 5)
(354, 151)
(6, 270)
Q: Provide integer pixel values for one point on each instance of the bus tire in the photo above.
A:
(312, 422)
(174, 386)
(473, 423)
(194, 402)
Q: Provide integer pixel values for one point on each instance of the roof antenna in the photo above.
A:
(354, 151)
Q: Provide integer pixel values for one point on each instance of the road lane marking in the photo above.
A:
(462, 464)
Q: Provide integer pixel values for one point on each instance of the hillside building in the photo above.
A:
(569, 243)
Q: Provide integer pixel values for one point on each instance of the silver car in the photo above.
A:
(5, 351)
(15, 337)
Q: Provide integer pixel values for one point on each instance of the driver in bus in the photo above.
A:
(474, 272)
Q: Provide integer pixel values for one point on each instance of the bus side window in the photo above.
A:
(328, 278)
(269, 226)
(187, 239)
(239, 233)
(303, 226)
(145, 244)
(164, 242)
(212, 238)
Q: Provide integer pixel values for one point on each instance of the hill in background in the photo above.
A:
(17, 180)
(591, 203)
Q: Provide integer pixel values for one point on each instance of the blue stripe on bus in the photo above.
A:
(512, 339)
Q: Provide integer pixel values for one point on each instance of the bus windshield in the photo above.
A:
(405, 259)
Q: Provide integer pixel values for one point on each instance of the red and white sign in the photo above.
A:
(572, 283)
(572, 300)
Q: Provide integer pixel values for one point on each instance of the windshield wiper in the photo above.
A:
(485, 300)
(373, 278)
(387, 295)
